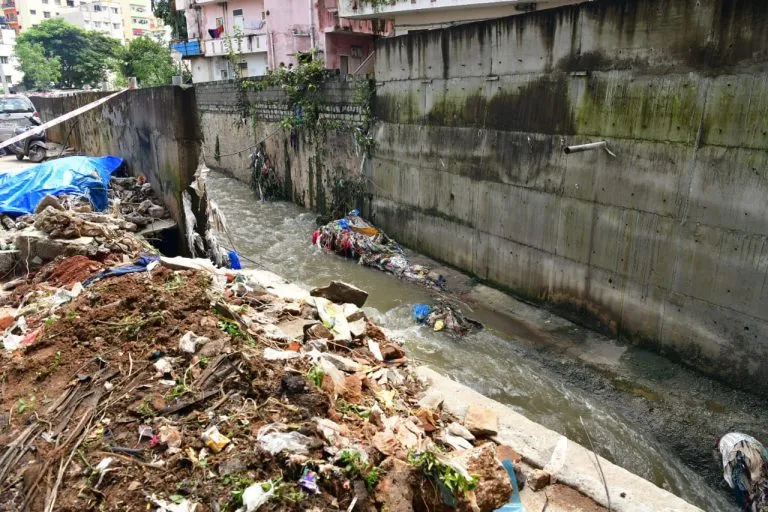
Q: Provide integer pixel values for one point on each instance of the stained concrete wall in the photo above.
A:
(309, 168)
(155, 131)
(665, 244)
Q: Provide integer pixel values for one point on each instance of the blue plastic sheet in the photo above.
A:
(140, 265)
(420, 312)
(20, 193)
(234, 261)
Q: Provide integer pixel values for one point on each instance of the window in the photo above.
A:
(97, 7)
(3, 60)
(57, 2)
(224, 74)
(243, 66)
(115, 10)
(46, 14)
(116, 26)
(97, 24)
(263, 15)
(356, 51)
(219, 22)
(33, 12)
(45, 2)
(237, 12)
(8, 80)
(70, 3)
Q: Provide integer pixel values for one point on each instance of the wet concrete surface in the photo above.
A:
(654, 417)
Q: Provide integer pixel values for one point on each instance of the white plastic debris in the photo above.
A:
(190, 341)
(167, 506)
(163, 366)
(375, 350)
(12, 342)
(254, 496)
(274, 441)
(270, 354)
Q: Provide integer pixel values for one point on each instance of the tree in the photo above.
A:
(84, 56)
(149, 61)
(40, 72)
(166, 11)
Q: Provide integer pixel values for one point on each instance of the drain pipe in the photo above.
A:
(588, 147)
(311, 23)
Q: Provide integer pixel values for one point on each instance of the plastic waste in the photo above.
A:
(274, 441)
(166, 506)
(140, 265)
(270, 354)
(254, 496)
(189, 342)
(333, 318)
(21, 192)
(308, 481)
(420, 312)
(439, 325)
(214, 439)
(514, 504)
(234, 261)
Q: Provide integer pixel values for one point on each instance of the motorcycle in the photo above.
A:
(33, 147)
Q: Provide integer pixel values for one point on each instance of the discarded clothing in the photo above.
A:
(444, 316)
(141, 265)
(352, 237)
(20, 193)
(745, 469)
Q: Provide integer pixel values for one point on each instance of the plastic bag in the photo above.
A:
(272, 440)
(255, 496)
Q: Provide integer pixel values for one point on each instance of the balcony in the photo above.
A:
(365, 9)
(255, 43)
(9, 4)
(190, 48)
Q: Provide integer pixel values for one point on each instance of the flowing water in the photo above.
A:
(277, 235)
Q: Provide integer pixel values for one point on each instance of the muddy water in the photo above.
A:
(498, 362)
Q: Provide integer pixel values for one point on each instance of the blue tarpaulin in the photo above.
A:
(87, 176)
(140, 265)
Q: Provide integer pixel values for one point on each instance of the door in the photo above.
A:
(344, 65)
(237, 21)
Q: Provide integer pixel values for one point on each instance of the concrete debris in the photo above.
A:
(481, 421)
(493, 485)
(190, 341)
(461, 431)
(341, 293)
(538, 479)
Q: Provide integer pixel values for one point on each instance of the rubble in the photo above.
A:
(180, 386)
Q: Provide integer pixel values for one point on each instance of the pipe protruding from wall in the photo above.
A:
(132, 83)
(588, 147)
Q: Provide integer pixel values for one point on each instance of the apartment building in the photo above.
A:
(411, 15)
(266, 34)
(103, 16)
(8, 63)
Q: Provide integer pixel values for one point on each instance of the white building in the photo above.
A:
(410, 15)
(103, 16)
(8, 62)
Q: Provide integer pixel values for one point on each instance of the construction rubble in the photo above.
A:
(68, 225)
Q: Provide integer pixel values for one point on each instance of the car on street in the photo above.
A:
(15, 111)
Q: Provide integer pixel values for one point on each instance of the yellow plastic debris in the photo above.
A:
(439, 325)
(214, 439)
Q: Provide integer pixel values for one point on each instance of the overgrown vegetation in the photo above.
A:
(352, 465)
(451, 481)
(166, 11)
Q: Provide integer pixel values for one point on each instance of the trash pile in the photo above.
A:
(444, 316)
(181, 387)
(352, 237)
(78, 223)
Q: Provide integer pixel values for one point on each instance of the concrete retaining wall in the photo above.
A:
(666, 243)
(155, 130)
(307, 168)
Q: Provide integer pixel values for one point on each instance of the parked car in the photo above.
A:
(15, 111)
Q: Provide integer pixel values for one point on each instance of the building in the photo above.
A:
(23, 14)
(103, 15)
(9, 65)
(265, 34)
(410, 15)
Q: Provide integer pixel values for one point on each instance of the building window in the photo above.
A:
(45, 2)
(219, 22)
(116, 26)
(46, 14)
(115, 10)
(57, 2)
(356, 51)
(237, 12)
(33, 12)
(8, 79)
(97, 7)
(3, 60)
(243, 66)
(70, 3)
(97, 24)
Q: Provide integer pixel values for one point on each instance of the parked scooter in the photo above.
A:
(33, 147)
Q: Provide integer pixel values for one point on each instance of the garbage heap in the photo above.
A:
(181, 387)
(353, 237)
(68, 225)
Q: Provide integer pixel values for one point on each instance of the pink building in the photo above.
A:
(268, 33)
